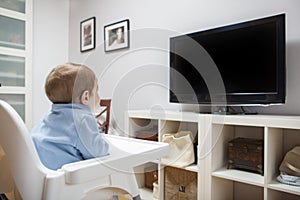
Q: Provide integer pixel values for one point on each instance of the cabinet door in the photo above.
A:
(17, 101)
(12, 35)
(14, 5)
(12, 71)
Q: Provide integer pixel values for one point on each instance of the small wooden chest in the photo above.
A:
(246, 154)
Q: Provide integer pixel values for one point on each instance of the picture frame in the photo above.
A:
(116, 36)
(88, 34)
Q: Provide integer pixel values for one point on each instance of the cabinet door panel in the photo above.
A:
(14, 5)
(12, 71)
(12, 35)
(17, 101)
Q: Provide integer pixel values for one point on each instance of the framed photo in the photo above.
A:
(87, 34)
(116, 36)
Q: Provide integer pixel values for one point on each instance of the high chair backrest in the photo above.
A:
(26, 168)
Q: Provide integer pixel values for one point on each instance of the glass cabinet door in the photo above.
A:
(17, 101)
(12, 71)
(12, 33)
(15, 5)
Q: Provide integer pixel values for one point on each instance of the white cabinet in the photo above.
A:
(215, 181)
(16, 55)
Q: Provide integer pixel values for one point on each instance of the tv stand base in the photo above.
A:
(229, 110)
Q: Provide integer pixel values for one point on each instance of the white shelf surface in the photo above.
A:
(12, 59)
(12, 45)
(275, 185)
(193, 168)
(12, 90)
(11, 75)
(240, 176)
(13, 14)
(164, 115)
(146, 194)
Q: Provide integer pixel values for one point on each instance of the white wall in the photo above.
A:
(50, 47)
(138, 77)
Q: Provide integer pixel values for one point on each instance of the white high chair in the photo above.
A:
(81, 180)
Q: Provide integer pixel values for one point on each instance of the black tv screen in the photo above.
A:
(238, 64)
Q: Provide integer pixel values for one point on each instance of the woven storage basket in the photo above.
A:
(180, 184)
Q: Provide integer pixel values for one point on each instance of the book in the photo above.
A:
(122, 197)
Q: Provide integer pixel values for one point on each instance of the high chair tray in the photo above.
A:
(125, 153)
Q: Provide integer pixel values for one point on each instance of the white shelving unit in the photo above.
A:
(16, 56)
(215, 181)
(169, 122)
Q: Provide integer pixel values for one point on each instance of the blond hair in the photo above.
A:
(67, 82)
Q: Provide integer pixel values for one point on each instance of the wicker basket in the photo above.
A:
(180, 184)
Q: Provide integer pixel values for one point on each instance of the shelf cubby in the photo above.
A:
(229, 189)
(172, 126)
(281, 195)
(137, 125)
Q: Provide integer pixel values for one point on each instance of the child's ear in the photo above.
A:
(85, 97)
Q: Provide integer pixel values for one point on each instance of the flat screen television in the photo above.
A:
(239, 64)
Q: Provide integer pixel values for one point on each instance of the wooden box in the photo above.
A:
(246, 154)
(151, 175)
(180, 184)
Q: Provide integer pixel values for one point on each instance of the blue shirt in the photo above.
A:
(68, 133)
